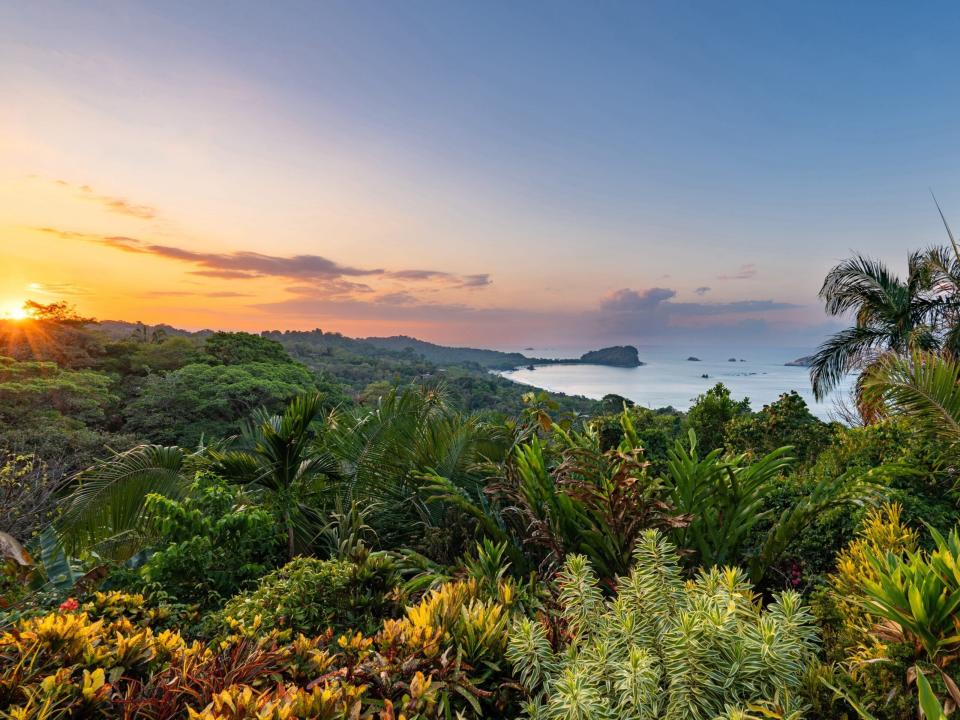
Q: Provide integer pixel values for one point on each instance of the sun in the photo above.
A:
(15, 311)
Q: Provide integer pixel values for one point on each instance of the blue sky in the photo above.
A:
(516, 172)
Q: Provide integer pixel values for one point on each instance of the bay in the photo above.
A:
(669, 379)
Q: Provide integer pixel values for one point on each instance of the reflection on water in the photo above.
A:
(669, 379)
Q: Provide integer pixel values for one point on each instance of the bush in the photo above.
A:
(107, 659)
(664, 648)
(309, 596)
(211, 546)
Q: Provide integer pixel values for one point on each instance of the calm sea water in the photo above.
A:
(669, 379)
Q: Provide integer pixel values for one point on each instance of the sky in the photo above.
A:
(496, 174)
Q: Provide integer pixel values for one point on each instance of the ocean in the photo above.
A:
(669, 379)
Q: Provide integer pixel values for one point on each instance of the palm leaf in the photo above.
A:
(924, 387)
(106, 511)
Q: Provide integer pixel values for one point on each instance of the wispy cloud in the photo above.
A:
(57, 289)
(745, 272)
(322, 273)
(110, 202)
(189, 293)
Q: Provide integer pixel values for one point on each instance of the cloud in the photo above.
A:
(635, 300)
(652, 312)
(188, 293)
(397, 298)
(729, 308)
(626, 315)
(314, 274)
(445, 278)
(112, 203)
(702, 290)
(745, 272)
(58, 289)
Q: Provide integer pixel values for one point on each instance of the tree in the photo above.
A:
(281, 461)
(386, 451)
(786, 421)
(710, 414)
(236, 348)
(210, 401)
(924, 387)
(59, 416)
(891, 315)
(61, 312)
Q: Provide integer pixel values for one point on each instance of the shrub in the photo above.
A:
(106, 659)
(211, 546)
(309, 596)
(663, 648)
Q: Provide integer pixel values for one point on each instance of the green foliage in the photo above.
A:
(663, 648)
(209, 401)
(28, 495)
(728, 496)
(240, 348)
(786, 421)
(920, 592)
(565, 495)
(210, 544)
(724, 495)
(308, 595)
(923, 387)
(281, 461)
(106, 511)
(385, 453)
(60, 416)
(710, 414)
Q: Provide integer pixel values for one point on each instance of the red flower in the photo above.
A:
(69, 605)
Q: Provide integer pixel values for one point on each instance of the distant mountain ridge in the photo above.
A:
(616, 356)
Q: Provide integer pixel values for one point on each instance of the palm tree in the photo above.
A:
(282, 461)
(891, 315)
(279, 460)
(385, 453)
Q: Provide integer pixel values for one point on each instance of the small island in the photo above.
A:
(616, 356)
(805, 361)
(693, 359)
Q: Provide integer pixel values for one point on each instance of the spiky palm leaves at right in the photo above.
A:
(924, 387)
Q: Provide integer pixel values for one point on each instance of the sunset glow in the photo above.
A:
(380, 179)
(14, 311)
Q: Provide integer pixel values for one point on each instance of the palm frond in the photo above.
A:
(923, 386)
(107, 509)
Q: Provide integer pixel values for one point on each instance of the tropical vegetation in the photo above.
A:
(303, 525)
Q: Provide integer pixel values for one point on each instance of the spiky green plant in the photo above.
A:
(663, 648)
